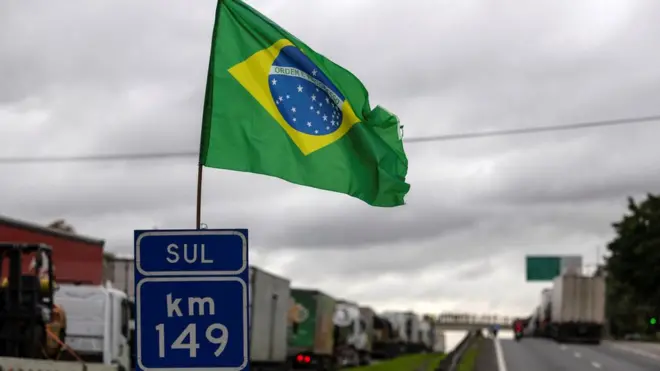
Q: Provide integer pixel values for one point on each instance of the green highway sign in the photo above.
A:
(543, 268)
(547, 267)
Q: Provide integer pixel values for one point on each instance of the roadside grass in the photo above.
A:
(470, 357)
(435, 362)
(404, 363)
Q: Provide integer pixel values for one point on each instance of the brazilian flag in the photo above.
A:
(274, 106)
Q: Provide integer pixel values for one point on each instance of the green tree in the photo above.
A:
(62, 225)
(633, 268)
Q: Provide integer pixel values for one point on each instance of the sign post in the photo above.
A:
(191, 298)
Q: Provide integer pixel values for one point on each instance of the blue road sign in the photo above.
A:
(191, 300)
(197, 252)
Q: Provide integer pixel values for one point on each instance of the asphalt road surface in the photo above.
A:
(546, 355)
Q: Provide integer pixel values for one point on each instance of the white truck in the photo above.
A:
(98, 323)
(368, 319)
(439, 341)
(97, 331)
(406, 325)
(354, 342)
(25, 364)
(269, 300)
(577, 308)
(427, 334)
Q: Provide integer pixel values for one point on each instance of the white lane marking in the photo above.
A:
(636, 351)
(501, 365)
(577, 355)
(595, 364)
(563, 347)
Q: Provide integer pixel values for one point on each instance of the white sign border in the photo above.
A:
(138, 264)
(138, 326)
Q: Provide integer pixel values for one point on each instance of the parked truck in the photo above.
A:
(119, 271)
(397, 322)
(311, 341)
(545, 313)
(406, 325)
(98, 328)
(385, 345)
(412, 330)
(269, 299)
(427, 333)
(577, 308)
(439, 342)
(32, 325)
(367, 319)
(349, 338)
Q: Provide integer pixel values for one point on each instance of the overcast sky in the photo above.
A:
(116, 76)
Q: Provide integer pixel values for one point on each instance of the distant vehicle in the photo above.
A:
(385, 339)
(518, 328)
(351, 338)
(368, 319)
(494, 330)
(269, 301)
(312, 337)
(577, 308)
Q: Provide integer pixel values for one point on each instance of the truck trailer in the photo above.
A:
(577, 308)
(269, 299)
(311, 341)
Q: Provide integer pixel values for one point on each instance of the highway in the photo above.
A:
(546, 355)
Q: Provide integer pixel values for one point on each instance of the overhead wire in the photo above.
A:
(422, 139)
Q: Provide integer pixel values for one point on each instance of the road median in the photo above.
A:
(416, 362)
(469, 358)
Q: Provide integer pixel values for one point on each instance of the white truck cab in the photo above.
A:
(347, 315)
(98, 323)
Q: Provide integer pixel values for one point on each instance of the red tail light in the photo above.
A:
(303, 359)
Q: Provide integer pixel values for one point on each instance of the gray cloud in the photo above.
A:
(119, 76)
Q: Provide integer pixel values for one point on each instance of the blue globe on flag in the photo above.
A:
(305, 97)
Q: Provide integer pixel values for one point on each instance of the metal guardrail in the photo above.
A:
(453, 358)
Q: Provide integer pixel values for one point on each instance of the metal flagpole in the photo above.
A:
(200, 165)
(200, 169)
